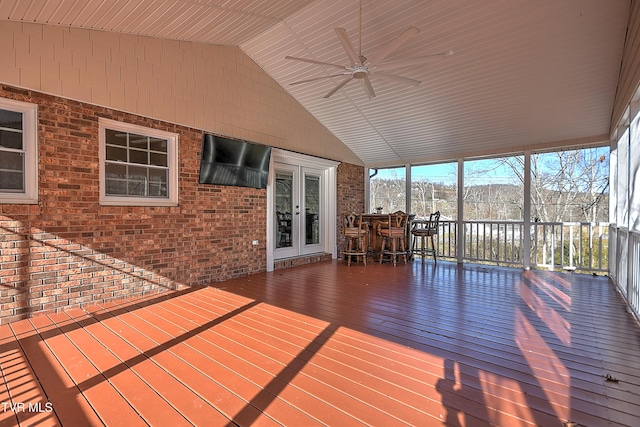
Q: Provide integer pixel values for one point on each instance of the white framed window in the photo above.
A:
(138, 165)
(18, 152)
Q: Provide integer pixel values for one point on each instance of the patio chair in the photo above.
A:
(394, 237)
(425, 231)
(355, 234)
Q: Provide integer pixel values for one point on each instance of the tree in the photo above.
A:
(566, 185)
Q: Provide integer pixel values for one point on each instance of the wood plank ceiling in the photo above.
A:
(523, 74)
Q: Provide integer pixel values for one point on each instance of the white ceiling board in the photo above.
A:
(523, 73)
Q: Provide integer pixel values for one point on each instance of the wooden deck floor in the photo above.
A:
(328, 344)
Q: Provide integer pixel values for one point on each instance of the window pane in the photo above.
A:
(138, 141)
(387, 191)
(116, 154)
(158, 159)
(12, 161)
(570, 185)
(11, 139)
(312, 209)
(494, 189)
(139, 157)
(284, 208)
(156, 144)
(634, 175)
(434, 188)
(158, 179)
(11, 181)
(10, 120)
(116, 138)
(137, 181)
(623, 174)
(11, 171)
(115, 179)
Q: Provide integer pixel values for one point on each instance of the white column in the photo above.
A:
(407, 188)
(367, 189)
(460, 225)
(526, 214)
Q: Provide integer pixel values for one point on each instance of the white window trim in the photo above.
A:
(172, 152)
(30, 140)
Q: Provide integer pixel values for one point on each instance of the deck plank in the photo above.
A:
(105, 400)
(143, 356)
(70, 406)
(142, 398)
(238, 359)
(23, 401)
(328, 344)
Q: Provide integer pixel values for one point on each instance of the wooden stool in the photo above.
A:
(425, 230)
(355, 234)
(394, 235)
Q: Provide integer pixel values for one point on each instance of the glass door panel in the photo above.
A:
(312, 201)
(287, 211)
(298, 220)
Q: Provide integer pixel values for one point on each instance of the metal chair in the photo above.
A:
(423, 229)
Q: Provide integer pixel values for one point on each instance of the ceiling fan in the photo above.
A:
(362, 68)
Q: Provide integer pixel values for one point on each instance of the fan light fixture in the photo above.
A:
(362, 69)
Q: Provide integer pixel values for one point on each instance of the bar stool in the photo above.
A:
(395, 236)
(355, 234)
(421, 229)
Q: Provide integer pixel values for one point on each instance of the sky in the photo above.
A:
(496, 173)
(485, 171)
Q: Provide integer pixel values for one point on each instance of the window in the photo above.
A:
(494, 189)
(18, 152)
(388, 190)
(434, 188)
(138, 165)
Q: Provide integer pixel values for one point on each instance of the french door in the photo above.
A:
(299, 211)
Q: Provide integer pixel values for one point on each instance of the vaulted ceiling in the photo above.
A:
(523, 74)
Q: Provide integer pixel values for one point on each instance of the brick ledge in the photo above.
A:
(300, 260)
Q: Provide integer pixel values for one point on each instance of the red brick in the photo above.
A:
(69, 240)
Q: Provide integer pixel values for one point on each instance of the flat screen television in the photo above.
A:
(233, 162)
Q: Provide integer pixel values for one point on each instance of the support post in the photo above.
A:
(526, 214)
(407, 188)
(460, 224)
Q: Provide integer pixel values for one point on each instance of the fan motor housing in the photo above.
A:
(359, 72)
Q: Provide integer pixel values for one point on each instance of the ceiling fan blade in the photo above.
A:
(340, 86)
(313, 61)
(348, 47)
(393, 45)
(415, 61)
(316, 78)
(366, 84)
(398, 79)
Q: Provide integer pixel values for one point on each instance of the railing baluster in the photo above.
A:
(553, 246)
(488, 241)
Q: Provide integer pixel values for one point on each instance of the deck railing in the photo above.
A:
(570, 245)
(633, 284)
(624, 267)
(582, 246)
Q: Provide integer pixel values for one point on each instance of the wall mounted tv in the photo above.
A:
(233, 162)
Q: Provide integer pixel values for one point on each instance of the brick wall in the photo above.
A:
(68, 250)
(350, 193)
